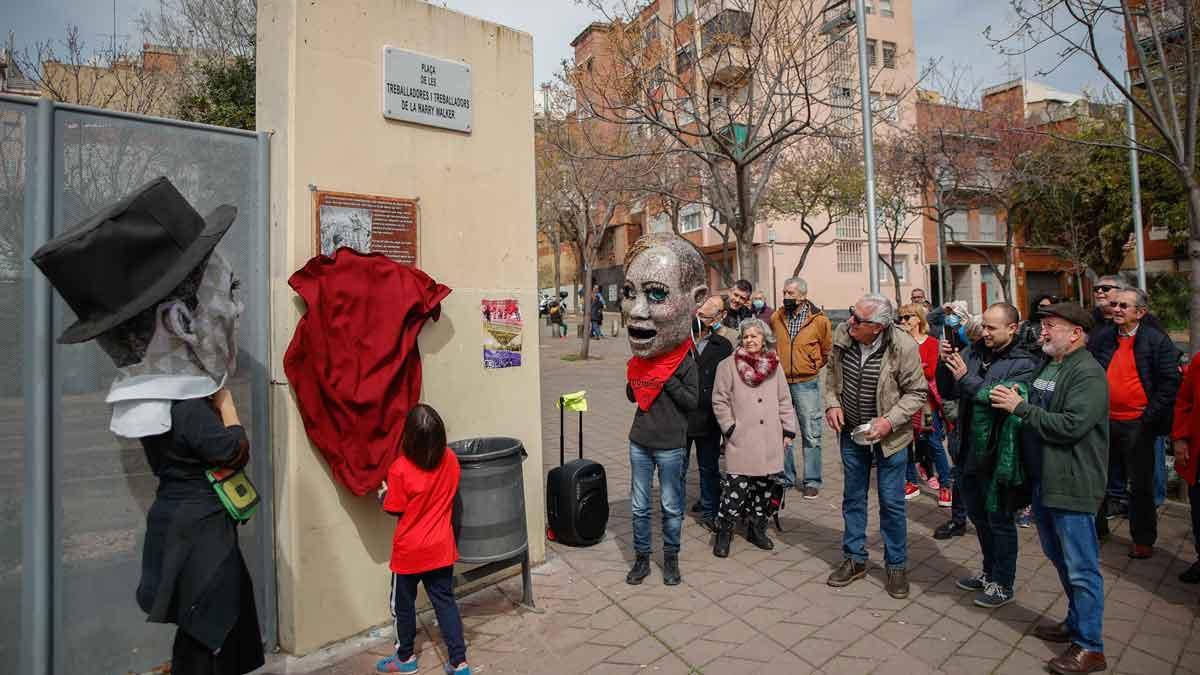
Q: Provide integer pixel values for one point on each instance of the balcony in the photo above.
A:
(728, 28)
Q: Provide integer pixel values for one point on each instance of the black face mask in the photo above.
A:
(790, 304)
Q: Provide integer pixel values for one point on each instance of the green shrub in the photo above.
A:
(1170, 296)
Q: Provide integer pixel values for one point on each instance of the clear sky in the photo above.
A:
(946, 30)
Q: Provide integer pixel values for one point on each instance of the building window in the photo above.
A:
(682, 9)
(988, 225)
(872, 52)
(843, 95)
(849, 256)
(885, 8)
(684, 59)
(689, 222)
(885, 106)
(850, 227)
(889, 54)
(610, 293)
(869, 5)
(901, 265)
(957, 224)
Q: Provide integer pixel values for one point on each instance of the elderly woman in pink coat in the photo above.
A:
(754, 410)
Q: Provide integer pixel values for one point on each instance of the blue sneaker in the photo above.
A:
(462, 669)
(994, 595)
(1025, 517)
(975, 583)
(393, 664)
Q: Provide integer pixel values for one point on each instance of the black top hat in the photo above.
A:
(129, 256)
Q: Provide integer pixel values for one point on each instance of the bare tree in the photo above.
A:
(119, 80)
(896, 204)
(757, 76)
(202, 32)
(582, 187)
(1163, 38)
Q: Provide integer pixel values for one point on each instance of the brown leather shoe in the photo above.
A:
(1053, 633)
(897, 583)
(847, 573)
(1077, 660)
(1140, 552)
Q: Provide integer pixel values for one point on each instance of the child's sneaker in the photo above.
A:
(393, 664)
(462, 669)
(911, 491)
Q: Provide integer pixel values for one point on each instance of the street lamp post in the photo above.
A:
(864, 82)
(1136, 189)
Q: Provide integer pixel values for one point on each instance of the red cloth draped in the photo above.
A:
(647, 376)
(353, 361)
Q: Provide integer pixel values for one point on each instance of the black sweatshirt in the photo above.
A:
(664, 426)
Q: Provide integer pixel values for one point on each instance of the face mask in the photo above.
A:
(758, 305)
(790, 304)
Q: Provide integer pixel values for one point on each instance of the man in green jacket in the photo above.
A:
(1064, 443)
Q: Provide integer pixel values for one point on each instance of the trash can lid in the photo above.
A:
(486, 448)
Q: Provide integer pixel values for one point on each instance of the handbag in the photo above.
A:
(236, 492)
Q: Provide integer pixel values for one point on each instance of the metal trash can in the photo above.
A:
(493, 496)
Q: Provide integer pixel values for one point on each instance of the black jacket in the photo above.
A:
(701, 421)
(665, 425)
(985, 369)
(1157, 365)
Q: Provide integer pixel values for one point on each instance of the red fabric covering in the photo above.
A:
(647, 376)
(1186, 424)
(353, 362)
(424, 538)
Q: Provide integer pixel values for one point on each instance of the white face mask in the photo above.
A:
(191, 355)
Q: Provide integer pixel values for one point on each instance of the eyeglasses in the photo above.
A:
(906, 317)
(858, 319)
(1105, 288)
(1123, 305)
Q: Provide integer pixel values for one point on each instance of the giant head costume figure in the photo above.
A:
(664, 283)
(146, 283)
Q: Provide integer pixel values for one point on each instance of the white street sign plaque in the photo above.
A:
(426, 90)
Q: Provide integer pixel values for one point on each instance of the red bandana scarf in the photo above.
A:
(754, 368)
(648, 375)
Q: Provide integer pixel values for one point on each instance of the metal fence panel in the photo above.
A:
(16, 125)
(67, 600)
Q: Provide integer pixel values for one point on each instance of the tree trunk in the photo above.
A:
(746, 256)
(557, 263)
(1194, 256)
(586, 318)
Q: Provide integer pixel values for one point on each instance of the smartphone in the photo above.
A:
(948, 335)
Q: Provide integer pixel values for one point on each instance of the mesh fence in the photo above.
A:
(105, 483)
(14, 121)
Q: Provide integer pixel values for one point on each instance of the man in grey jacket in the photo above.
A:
(874, 380)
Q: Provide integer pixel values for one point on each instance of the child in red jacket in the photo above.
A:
(420, 492)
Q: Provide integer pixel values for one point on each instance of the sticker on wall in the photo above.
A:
(502, 327)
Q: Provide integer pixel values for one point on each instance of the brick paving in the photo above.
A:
(771, 611)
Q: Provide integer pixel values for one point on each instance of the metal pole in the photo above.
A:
(864, 83)
(261, 383)
(1135, 187)
(37, 550)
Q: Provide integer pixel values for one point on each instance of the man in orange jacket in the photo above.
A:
(805, 338)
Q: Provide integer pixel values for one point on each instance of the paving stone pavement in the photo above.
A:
(771, 611)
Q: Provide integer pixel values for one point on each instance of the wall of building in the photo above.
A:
(319, 91)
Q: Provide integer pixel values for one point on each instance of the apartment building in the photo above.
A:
(682, 34)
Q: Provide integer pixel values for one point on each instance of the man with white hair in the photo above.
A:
(874, 384)
(804, 336)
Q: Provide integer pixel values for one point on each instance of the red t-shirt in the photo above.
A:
(1126, 396)
(424, 538)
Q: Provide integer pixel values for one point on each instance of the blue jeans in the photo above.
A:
(1069, 541)
(893, 521)
(997, 532)
(810, 414)
(439, 587)
(708, 457)
(642, 462)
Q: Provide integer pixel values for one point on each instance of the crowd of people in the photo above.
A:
(1060, 419)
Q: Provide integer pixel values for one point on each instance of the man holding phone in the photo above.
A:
(991, 360)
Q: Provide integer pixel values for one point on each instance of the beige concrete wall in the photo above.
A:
(319, 88)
